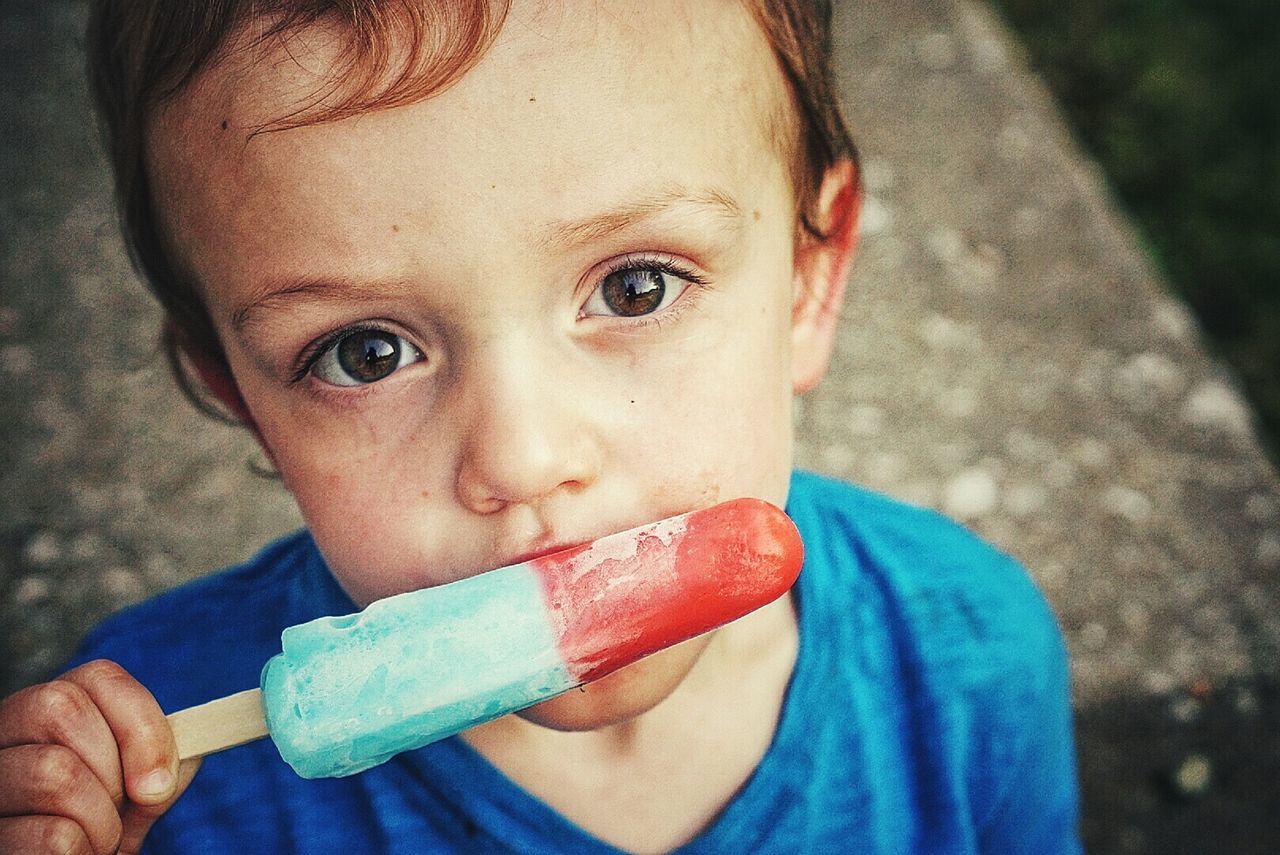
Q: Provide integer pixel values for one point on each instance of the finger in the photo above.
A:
(52, 780)
(148, 755)
(63, 713)
(37, 834)
(138, 819)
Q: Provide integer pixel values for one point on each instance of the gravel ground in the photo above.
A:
(1008, 355)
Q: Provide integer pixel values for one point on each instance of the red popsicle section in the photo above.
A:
(621, 598)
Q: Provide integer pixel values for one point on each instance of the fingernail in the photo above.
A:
(157, 783)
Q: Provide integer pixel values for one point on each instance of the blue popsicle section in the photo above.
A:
(348, 693)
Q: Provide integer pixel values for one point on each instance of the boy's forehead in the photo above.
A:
(712, 47)
(576, 104)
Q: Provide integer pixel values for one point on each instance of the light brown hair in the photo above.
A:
(143, 53)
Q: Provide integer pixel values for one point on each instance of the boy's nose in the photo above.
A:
(527, 435)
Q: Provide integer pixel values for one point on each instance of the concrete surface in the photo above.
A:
(1007, 355)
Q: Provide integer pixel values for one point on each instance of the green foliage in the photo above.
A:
(1177, 99)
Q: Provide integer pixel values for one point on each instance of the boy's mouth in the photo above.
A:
(551, 548)
(538, 550)
(533, 554)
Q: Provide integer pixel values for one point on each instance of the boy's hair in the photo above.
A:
(143, 53)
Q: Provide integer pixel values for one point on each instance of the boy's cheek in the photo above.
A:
(623, 694)
(676, 427)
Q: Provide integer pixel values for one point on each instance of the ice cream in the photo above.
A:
(347, 693)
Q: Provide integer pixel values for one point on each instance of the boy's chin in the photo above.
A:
(623, 695)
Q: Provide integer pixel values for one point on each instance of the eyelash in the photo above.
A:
(317, 349)
(662, 264)
(313, 352)
(650, 262)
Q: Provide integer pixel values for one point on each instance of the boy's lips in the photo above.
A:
(550, 547)
(533, 554)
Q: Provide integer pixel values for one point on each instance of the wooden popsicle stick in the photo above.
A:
(218, 725)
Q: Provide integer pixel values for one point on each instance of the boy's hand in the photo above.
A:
(87, 764)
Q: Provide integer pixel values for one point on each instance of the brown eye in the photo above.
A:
(634, 292)
(363, 357)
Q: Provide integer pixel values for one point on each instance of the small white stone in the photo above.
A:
(1158, 370)
(1034, 397)
(1194, 776)
(49, 412)
(945, 243)
(866, 420)
(921, 493)
(1185, 709)
(9, 318)
(86, 546)
(885, 254)
(1257, 597)
(1093, 636)
(1013, 141)
(994, 465)
(43, 549)
(875, 218)
(17, 359)
(940, 332)
(1023, 500)
(1214, 406)
(1127, 503)
(122, 583)
(160, 570)
(937, 51)
(1026, 446)
(1172, 319)
(951, 456)
(1260, 507)
(90, 500)
(988, 48)
(1092, 453)
(1269, 550)
(971, 493)
(1051, 574)
(1028, 221)
(30, 590)
(986, 261)
(1135, 618)
(1245, 701)
(878, 175)
(837, 458)
(1060, 473)
(1158, 682)
(884, 468)
(42, 661)
(1147, 378)
(958, 402)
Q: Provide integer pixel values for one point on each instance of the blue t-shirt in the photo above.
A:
(928, 711)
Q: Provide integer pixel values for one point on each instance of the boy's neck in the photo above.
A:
(654, 781)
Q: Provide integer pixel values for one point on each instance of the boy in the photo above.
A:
(485, 282)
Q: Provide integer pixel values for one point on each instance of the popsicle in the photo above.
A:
(347, 693)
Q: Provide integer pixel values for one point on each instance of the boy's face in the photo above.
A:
(550, 303)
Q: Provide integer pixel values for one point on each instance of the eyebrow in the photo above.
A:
(318, 288)
(597, 226)
(709, 200)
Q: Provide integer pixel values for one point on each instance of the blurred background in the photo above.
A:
(1177, 101)
(1061, 330)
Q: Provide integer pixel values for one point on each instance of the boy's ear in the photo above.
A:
(215, 376)
(821, 271)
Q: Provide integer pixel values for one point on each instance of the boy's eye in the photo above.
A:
(364, 356)
(633, 292)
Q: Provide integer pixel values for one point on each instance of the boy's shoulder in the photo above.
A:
(211, 636)
(948, 639)
(942, 591)
(890, 534)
